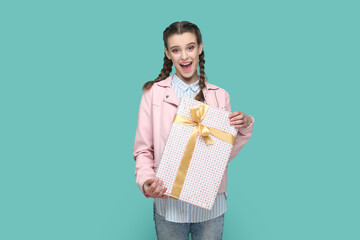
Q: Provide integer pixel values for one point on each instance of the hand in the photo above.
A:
(239, 120)
(152, 187)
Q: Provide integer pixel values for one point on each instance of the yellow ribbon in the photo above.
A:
(198, 114)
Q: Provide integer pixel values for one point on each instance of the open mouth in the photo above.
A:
(186, 66)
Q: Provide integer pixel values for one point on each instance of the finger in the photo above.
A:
(153, 185)
(239, 122)
(161, 193)
(162, 190)
(149, 181)
(147, 185)
(158, 188)
(239, 126)
(238, 117)
(231, 115)
(234, 114)
(165, 196)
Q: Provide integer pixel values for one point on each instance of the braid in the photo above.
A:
(165, 72)
(200, 95)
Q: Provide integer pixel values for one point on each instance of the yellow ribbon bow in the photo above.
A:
(198, 114)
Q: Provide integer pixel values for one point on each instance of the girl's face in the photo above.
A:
(184, 53)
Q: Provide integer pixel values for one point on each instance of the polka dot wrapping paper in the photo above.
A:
(208, 162)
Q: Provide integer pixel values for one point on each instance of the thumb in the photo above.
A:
(149, 181)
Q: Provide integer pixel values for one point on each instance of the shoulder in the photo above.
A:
(147, 95)
(161, 85)
(157, 91)
(219, 91)
(148, 92)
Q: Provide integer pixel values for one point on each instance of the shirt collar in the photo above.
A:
(167, 83)
(183, 86)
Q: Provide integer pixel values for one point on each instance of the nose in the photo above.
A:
(184, 55)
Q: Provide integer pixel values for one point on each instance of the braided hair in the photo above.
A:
(179, 28)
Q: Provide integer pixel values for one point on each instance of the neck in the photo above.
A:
(190, 80)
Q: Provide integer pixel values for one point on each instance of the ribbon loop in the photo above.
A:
(198, 113)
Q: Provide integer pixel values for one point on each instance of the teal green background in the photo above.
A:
(71, 76)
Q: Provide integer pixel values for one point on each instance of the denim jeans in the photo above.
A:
(207, 230)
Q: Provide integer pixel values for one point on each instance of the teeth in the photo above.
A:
(184, 64)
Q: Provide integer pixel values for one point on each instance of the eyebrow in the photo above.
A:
(186, 44)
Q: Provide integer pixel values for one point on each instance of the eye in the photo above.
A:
(175, 50)
(191, 48)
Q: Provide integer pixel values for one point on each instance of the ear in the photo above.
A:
(200, 48)
(167, 53)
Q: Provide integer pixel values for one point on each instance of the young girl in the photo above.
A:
(175, 219)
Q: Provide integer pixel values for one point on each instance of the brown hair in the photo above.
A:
(179, 28)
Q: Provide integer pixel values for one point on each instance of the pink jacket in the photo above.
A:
(156, 113)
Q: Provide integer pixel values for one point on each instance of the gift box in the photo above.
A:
(196, 153)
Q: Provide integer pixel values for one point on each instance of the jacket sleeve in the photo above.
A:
(243, 135)
(143, 146)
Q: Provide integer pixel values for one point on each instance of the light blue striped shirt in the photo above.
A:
(176, 210)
